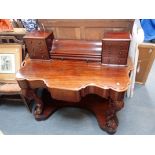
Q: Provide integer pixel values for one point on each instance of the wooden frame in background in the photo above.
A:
(10, 61)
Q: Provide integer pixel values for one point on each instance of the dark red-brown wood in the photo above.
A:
(115, 48)
(39, 44)
(104, 109)
(74, 76)
(72, 81)
(76, 50)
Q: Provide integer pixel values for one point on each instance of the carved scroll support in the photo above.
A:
(30, 94)
(115, 104)
(104, 104)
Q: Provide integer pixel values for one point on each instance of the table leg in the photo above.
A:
(104, 109)
(30, 94)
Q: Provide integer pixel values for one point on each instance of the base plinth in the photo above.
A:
(100, 107)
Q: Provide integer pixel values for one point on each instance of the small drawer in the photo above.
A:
(122, 61)
(106, 53)
(124, 43)
(114, 60)
(39, 56)
(124, 48)
(122, 54)
(108, 44)
(42, 56)
(105, 60)
(115, 53)
(110, 60)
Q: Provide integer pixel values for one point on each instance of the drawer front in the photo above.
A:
(115, 47)
(115, 43)
(38, 55)
(116, 53)
(36, 45)
(113, 60)
(37, 49)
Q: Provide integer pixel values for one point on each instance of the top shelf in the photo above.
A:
(16, 31)
(117, 36)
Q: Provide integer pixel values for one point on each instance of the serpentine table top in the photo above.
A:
(74, 76)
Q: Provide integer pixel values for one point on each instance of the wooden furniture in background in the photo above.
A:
(12, 91)
(145, 61)
(15, 36)
(85, 29)
(74, 76)
(9, 88)
(18, 33)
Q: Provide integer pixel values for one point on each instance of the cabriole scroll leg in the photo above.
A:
(31, 95)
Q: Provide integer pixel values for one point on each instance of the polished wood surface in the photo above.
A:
(103, 109)
(76, 50)
(123, 36)
(39, 44)
(71, 83)
(74, 76)
(37, 35)
(74, 79)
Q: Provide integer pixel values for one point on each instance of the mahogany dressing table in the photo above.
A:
(73, 73)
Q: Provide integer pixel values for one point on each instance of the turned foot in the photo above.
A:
(108, 123)
(111, 125)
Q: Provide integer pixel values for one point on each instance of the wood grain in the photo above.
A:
(68, 79)
(85, 29)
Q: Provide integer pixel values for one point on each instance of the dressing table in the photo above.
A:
(77, 73)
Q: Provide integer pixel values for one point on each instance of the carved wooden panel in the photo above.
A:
(86, 29)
